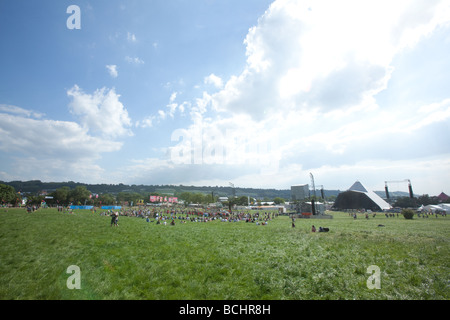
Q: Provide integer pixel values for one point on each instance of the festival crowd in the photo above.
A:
(183, 215)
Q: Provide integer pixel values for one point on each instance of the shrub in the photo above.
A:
(408, 213)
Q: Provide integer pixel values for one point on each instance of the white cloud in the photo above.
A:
(20, 111)
(325, 54)
(214, 80)
(40, 137)
(49, 150)
(162, 114)
(146, 122)
(170, 111)
(112, 69)
(135, 60)
(173, 96)
(100, 112)
(131, 37)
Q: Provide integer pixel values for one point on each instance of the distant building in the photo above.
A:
(300, 192)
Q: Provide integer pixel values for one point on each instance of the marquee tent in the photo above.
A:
(436, 207)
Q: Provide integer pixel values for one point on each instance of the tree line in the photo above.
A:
(407, 202)
(36, 186)
(80, 195)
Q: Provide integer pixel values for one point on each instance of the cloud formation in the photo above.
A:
(46, 149)
(314, 70)
(135, 60)
(214, 80)
(112, 69)
(131, 37)
(323, 89)
(100, 112)
(324, 54)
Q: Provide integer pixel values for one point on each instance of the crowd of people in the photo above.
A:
(184, 215)
(424, 214)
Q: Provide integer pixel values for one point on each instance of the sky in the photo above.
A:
(254, 93)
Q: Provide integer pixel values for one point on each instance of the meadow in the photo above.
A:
(217, 260)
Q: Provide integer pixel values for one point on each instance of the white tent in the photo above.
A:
(433, 207)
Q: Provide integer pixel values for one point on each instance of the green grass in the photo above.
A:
(221, 260)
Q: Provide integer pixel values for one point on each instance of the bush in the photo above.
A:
(408, 213)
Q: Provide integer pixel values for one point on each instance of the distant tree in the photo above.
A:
(241, 201)
(7, 194)
(426, 200)
(106, 199)
(79, 195)
(186, 197)
(129, 197)
(278, 200)
(61, 195)
(34, 200)
(199, 198)
(406, 202)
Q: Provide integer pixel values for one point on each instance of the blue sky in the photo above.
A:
(207, 92)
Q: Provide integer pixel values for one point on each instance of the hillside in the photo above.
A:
(37, 186)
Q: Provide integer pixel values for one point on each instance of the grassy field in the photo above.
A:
(221, 260)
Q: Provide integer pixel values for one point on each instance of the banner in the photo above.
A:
(163, 199)
(82, 207)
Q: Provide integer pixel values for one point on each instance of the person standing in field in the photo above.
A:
(113, 218)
